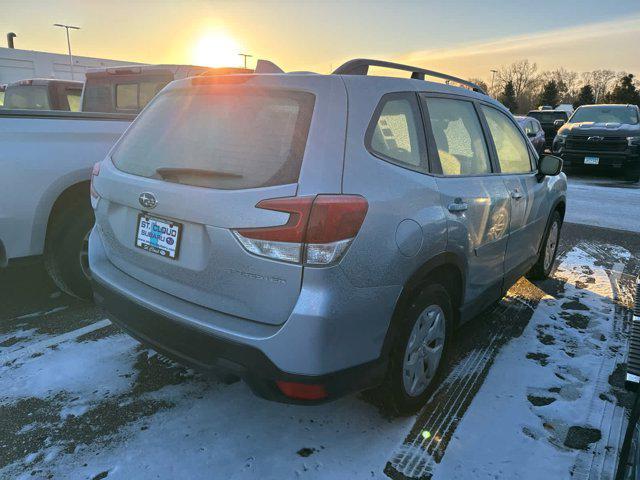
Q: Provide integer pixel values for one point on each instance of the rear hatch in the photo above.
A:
(199, 159)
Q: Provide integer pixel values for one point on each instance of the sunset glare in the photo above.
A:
(217, 49)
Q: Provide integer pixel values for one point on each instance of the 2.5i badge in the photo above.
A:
(158, 236)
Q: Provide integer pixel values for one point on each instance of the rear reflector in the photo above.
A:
(319, 229)
(302, 391)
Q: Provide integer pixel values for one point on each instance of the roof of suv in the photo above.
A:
(353, 71)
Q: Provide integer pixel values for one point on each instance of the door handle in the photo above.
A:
(516, 195)
(458, 206)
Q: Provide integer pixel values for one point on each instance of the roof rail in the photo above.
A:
(360, 66)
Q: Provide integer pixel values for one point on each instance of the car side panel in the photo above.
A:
(40, 157)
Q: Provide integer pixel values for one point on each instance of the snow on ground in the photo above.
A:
(604, 203)
(101, 405)
(531, 418)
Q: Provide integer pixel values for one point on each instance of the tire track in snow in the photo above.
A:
(39, 346)
(442, 413)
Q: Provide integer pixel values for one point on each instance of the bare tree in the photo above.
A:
(481, 83)
(566, 81)
(600, 80)
(525, 79)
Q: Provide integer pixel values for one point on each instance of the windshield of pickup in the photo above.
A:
(224, 137)
(545, 116)
(27, 97)
(606, 114)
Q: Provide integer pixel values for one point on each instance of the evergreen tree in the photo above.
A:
(625, 91)
(550, 94)
(585, 96)
(508, 97)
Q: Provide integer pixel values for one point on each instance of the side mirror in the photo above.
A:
(558, 123)
(531, 134)
(549, 165)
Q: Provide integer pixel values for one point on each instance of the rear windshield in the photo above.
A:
(29, 97)
(606, 114)
(115, 93)
(548, 117)
(219, 137)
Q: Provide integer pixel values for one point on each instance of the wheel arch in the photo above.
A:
(74, 194)
(446, 268)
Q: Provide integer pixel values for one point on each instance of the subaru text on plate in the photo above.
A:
(319, 234)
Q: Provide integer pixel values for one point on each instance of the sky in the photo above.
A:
(462, 37)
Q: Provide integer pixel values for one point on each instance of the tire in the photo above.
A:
(544, 265)
(395, 393)
(65, 251)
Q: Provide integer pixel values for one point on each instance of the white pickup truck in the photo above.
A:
(46, 159)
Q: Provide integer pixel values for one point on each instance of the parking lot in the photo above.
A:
(533, 389)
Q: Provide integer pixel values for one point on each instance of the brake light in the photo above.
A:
(94, 173)
(302, 391)
(318, 232)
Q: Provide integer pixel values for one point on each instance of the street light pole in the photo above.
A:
(67, 27)
(493, 77)
(245, 56)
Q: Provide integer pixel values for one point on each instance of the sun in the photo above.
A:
(217, 49)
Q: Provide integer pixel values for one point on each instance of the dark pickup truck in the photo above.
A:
(549, 121)
(602, 136)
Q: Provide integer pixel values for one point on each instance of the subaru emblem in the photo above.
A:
(147, 200)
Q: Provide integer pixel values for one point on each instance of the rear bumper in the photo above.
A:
(206, 352)
(302, 350)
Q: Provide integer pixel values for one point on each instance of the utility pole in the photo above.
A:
(67, 27)
(493, 77)
(245, 56)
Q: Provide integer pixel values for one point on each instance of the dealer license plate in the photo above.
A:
(158, 236)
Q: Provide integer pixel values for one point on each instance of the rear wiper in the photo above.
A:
(168, 172)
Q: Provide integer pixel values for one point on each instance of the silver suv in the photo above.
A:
(319, 234)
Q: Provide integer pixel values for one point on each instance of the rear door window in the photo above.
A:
(222, 137)
(511, 146)
(396, 132)
(73, 98)
(127, 96)
(458, 136)
(147, 91)
(28, 97)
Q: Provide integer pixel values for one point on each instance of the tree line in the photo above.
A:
(521, 87)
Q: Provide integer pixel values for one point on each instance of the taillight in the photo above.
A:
(319, 230)
(94, 173)
(302, 391)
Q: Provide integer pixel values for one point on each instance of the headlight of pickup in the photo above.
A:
(558, 141)
(633, 141)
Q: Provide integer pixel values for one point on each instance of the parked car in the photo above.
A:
(46, 159)
(128, 89)
(551, 121)
(566, 107)
(602, 137)
(534, 131)
(240, 225)
(43, 94)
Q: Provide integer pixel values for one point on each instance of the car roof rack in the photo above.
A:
(360, 66)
